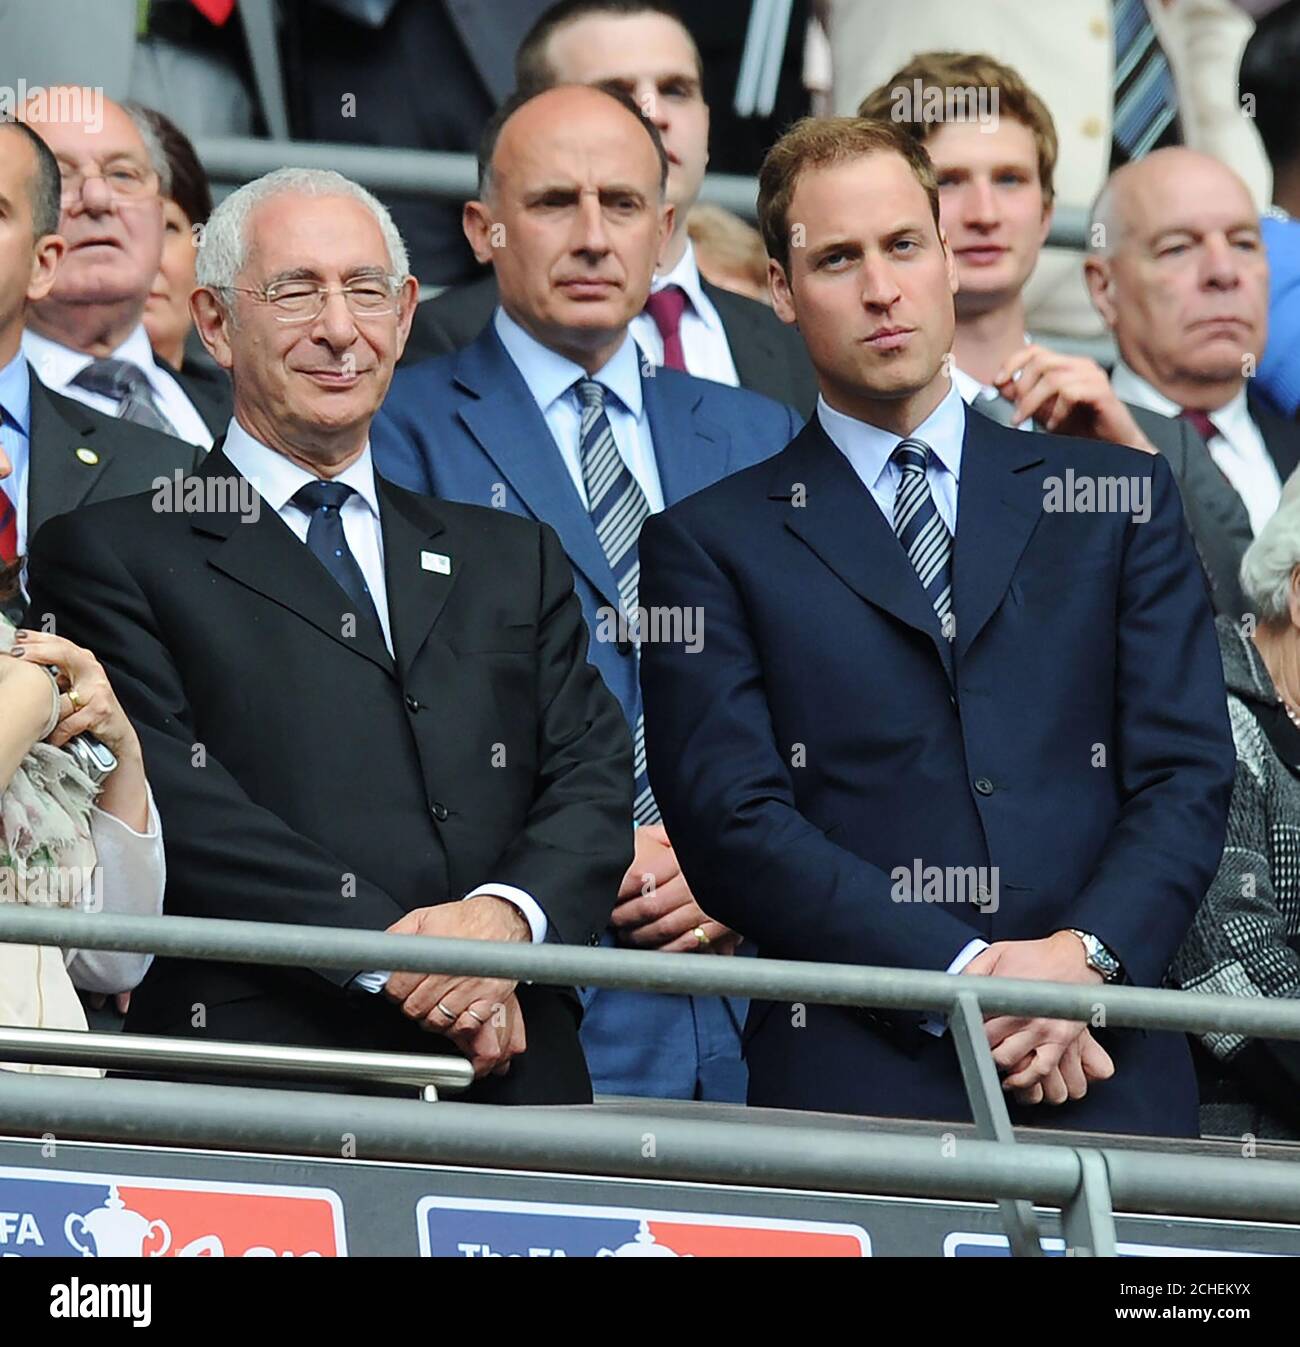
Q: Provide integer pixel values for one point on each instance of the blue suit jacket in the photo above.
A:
(1073, 735)
(466, 428)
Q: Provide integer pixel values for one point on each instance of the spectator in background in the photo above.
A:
(1268, 80)
(643, 49)
(1119, 76)
(728, 252)
(996, 190)
(86, 338)
(167, 310)
(1245, 940)
(552, 413)
(1178, 273)
(66, 838)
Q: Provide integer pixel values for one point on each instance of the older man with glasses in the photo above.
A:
(86, 339)
(359, 706)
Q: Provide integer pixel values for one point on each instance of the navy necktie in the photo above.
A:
(323, 501)
(921, 530)
(126, 385)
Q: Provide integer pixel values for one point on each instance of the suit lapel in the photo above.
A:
(504, 419)
(265, 556)
(1280, 436)
(419, 574)
(58, 479)
(690, 452)
(758, 362)
(845, 528)
(999, 502)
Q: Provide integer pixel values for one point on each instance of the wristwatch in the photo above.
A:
(1098, 956)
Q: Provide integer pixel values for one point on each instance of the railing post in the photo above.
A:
(989, 1108)
(1087, 1219)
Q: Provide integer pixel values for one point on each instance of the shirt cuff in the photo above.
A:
(936, 1022)
(525, 902)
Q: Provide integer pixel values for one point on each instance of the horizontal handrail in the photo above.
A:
(454, 177)
(68, 1047)
(592, 1141)
(274, 943)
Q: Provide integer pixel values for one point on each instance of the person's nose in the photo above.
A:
(879, 287)
(1221, 270)
(590, 235)
(648, 100)
(336, 326)
(95, 197)
(979, 205)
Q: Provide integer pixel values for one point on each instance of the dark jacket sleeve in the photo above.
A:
(400, 451)
(1173, 753)
(727, 797)
(576, 842)
(226, 856)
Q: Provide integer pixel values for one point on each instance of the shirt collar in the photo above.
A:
(58, 365)
(278, 478)
(1229, 420)
(686, 275)
(16, 393)
(869, 447)
(550, 375)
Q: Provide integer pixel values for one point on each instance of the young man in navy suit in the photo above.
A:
(933, 668)
(554, 414)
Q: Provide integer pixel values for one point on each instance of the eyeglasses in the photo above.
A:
(304, 301)
(125, 180)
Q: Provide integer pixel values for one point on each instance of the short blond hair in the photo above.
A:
(819, 142)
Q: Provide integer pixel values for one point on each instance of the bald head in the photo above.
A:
(572, 216)
(1178, 272)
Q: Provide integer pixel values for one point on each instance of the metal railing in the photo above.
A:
(1085, 1182)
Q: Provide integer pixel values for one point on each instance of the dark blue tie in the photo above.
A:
(921, 530)
(323, 501)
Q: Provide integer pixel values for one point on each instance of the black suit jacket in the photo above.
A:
(770, 357)
(208, 388)
(1281, 436)
(79, 455)
(304, 775)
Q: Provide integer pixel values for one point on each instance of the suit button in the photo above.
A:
(983, 785)
(624, 647)
(439, 811)
(593, 939)
(411, 703)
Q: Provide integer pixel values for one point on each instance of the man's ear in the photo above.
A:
(949, 262)
(212, 322)
(407, 298)
(667, 219)
(476, 221)
(778, 284)
(1048, 211)
(46, 256)
(1096, 275)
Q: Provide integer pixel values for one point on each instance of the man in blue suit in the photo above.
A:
(959, 705)
(552, 414)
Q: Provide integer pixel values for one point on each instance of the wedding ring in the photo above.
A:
(445, 1011)
(474, 1014)
(75, 698)
(700, 936)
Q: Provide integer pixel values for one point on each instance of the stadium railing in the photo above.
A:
(1087, 1183)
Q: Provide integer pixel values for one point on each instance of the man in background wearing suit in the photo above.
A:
(61, 453)
(915, 658)
(358, 706)
(995, 202)
(554, 414)
(641, 48)
(1179, 273)
(86, 339)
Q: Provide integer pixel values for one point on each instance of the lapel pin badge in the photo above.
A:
(88, 456)
(437, 562)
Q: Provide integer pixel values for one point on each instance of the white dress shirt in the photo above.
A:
(1238, 448)
(868, 449)
(550, 378)
(705, 347)
(56, 366)
(973, 392)
(276, 479)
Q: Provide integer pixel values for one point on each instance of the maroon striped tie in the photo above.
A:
(8, 530)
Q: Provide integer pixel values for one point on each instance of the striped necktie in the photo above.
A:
(618, 508)
(921, 529)
(8, 529)
(126, 385)
(1145, 100)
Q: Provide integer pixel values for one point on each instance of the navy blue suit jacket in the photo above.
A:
(464, 427)
(1074, 735)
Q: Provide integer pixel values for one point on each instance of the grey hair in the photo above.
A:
(224, 248)
(1266, 568)
(152, 146)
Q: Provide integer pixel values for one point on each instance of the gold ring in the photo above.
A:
(75, 698)
(445, 1011)
(700, 935)
(475, 1015)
